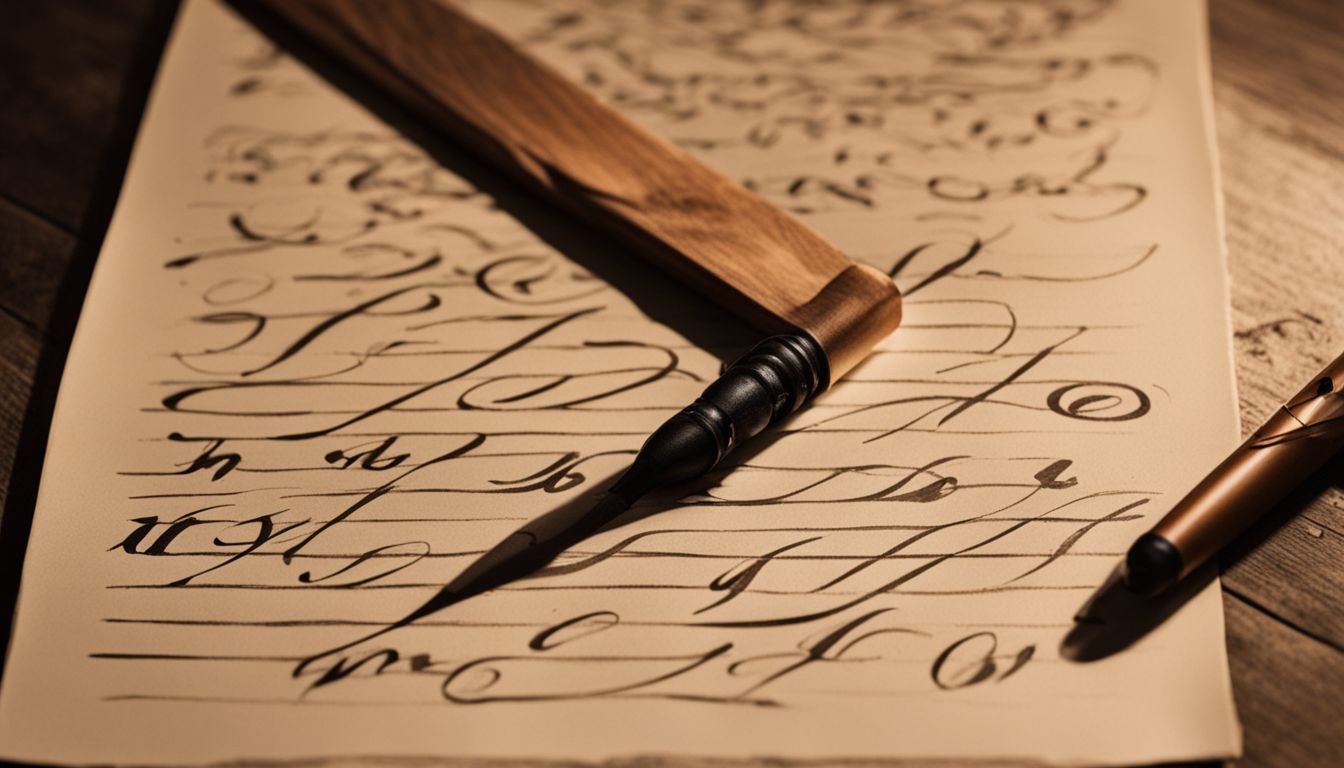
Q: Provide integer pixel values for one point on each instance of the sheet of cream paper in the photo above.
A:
(317, 373)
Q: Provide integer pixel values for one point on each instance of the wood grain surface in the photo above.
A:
(750, 257)
(73, 78)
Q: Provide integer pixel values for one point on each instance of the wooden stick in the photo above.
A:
(725, 241)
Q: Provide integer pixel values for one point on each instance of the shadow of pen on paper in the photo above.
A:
(547, 559)
(544, 557)
(539, 556)
(1113, 619)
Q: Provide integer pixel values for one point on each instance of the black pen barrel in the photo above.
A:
(762, 387)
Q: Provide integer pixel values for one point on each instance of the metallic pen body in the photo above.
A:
(1301, 436)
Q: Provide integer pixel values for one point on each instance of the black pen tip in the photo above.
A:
(1152, 566)
(1115, 617)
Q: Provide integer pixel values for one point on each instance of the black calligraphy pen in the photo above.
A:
(824, 312)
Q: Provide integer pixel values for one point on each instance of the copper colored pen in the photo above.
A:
(1300, 436)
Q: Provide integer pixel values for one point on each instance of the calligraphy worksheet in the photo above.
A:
(324, 364)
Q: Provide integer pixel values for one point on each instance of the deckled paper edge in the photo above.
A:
(1204, 77)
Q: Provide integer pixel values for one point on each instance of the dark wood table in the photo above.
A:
(73, 80)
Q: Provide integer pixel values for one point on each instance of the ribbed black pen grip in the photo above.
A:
(763, 386)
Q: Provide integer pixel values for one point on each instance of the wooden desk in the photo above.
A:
(73, 77)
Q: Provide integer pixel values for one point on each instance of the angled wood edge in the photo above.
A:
(850, 315)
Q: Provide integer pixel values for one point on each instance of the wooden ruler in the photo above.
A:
(726, 242)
